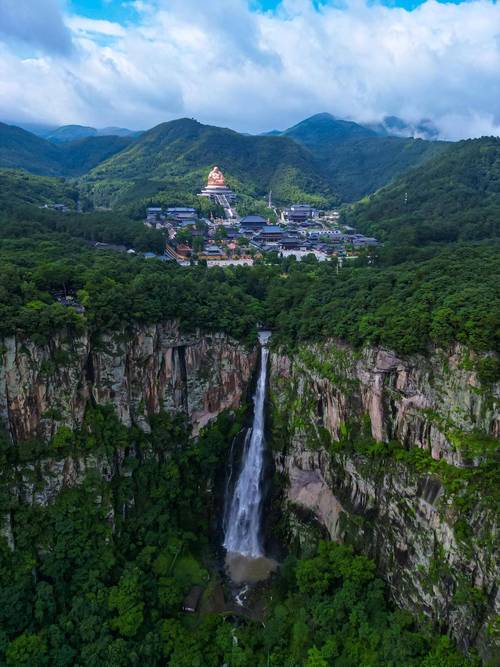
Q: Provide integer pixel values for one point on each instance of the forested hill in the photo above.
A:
(19, 188)
(68, 133)
(23, 150)
(323, 131)
(355, 159)
(455, 196)
(176, 156)
(80, 156)
(20, 149)
(321, 160)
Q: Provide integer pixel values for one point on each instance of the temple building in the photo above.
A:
(253, 223)
(299, 213)
(270, 233)
(217, 189)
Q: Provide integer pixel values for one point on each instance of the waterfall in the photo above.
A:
(242, 530)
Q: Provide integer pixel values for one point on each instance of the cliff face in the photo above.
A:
(407, 520)
(427, 402)
(157, 367)
(436, 554)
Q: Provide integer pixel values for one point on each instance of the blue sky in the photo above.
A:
(113, 10)
(117, 10)
(252, 65)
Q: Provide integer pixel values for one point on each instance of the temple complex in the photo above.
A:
(217, 189)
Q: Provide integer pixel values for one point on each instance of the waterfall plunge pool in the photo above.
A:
(243, 569)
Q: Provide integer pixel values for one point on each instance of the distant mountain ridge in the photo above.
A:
(324, 130)
(340, 129)
(20, 149)
(73, 132)
(60, 134)
(358, 159)
(69, 133)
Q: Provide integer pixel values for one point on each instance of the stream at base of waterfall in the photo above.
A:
(245, 558)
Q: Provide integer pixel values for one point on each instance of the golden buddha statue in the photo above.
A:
(216, 177)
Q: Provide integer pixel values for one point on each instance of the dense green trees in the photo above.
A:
(178, 155)
(334, 612)
(442, 296)
(96, 572)
(102, 226)
(20, 149)
(404, 307)
(19, 188)
(453, 197)
(98, 575)
(354, 159)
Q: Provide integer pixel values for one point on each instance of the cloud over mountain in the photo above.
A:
(226, 64)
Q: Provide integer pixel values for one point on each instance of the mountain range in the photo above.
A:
(61, 135)
(177, 156)
(24, 150)
(322, 160)
(389, 126)
(358, 159)
(64, 133)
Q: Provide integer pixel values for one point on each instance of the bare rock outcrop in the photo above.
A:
(419, 401)
(139, 373)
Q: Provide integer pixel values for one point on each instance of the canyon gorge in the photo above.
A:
(368, 447)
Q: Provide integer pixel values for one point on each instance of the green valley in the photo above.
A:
(20, 149)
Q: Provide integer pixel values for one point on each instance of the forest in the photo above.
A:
(103, 583)
(437, 299)
(178, 155)
(95, 584)
(454, 197)
(322, 160)
(358, 160)
(22, 149)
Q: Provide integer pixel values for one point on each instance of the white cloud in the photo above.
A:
(226, 65)
(80, 24)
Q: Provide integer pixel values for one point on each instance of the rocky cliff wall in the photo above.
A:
(407, 520)
(433, 543)
(139, 373)
(432, 402)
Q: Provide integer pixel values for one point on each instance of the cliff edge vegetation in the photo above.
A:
(449, 297)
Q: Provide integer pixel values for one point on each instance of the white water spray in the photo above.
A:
(244, 517)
